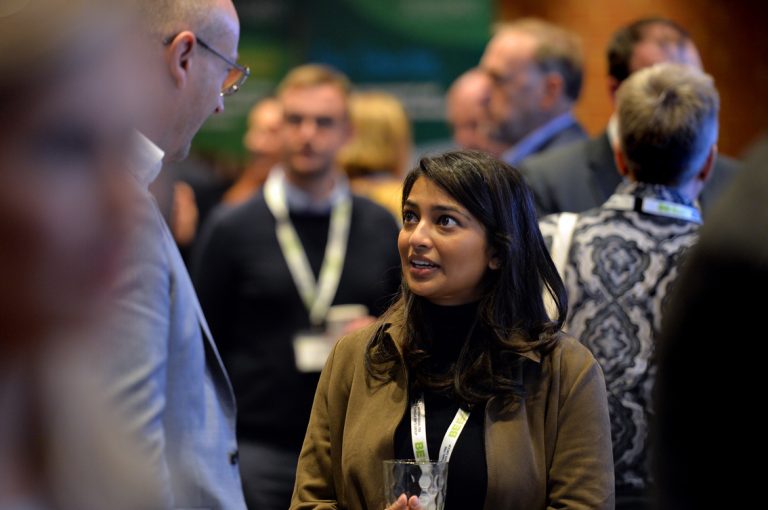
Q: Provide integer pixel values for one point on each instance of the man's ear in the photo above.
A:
(621, 162)
(554, 90)
(613, 86)
(179, 55)
(706, 170)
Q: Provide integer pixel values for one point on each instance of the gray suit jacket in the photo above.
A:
(572, 132)
(164, 374)
(582, 175)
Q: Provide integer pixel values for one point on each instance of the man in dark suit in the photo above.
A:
(536, 73)
(583, 175)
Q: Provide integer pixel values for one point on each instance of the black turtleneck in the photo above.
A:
(446, 329)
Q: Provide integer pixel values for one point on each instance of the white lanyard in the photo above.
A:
(654, 206)
(419, 432)
(316, 295)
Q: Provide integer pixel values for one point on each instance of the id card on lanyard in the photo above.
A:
(427, 499)
(317, 295)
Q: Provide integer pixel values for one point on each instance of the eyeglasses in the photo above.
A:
(237, 73)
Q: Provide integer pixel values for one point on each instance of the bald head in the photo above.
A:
(466, 111)
(470, 88)
(188, 46)
(167, 17)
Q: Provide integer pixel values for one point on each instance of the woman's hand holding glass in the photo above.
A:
(405, 503)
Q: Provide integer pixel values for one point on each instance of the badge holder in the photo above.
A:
(311, 349)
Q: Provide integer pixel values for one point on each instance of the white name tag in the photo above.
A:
(311, 351)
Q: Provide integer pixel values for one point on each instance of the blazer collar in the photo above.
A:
(602, 166)
(148, 160)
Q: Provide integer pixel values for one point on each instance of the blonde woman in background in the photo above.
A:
(375, 159)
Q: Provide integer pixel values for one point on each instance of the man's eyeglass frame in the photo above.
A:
(245, 72)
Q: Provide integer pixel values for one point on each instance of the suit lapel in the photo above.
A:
(570, 133)
(183, 283)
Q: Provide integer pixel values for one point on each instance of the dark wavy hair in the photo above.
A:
(511, 316)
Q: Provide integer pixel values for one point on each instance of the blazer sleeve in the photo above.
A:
(135, 355)
(315, 488)
(581, 474)
(537, 179)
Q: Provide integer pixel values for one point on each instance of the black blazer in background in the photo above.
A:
(571, 133)
(583, 175)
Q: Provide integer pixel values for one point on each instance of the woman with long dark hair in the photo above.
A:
(469, 337)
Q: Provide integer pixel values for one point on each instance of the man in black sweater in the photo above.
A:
(268, 271)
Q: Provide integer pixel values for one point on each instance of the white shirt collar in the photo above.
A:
(148, 160)
(534, 140)
(299, 201)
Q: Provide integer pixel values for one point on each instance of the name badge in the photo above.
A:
(311, 350)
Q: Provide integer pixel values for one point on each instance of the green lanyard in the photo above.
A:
(654, 206)
(316, 295)
(419, 432)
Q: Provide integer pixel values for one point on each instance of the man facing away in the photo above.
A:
(271, 271)
(160, 366)
(536, 73)
(620, 260)
(584, 174)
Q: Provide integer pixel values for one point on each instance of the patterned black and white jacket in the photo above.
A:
(618, 265)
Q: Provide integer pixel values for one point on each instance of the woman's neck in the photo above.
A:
(446, 328)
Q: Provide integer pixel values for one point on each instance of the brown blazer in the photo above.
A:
(552, 450)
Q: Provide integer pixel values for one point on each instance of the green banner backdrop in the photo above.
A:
(411, 48)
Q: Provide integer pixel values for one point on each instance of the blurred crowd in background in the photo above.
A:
(279, 231)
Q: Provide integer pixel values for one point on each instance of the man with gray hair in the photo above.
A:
(162, 368)
(535, 69)
(620, 260)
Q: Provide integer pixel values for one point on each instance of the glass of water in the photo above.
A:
(426, 480)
